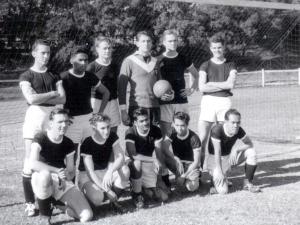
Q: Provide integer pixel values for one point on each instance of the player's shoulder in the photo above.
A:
(40, 136)
(154, 129)
(113, 136)
(131, 131)
(87, 140)
(193, 135)
(217, 128)
(68, 141)
(91, 67)
(64, 74)
(26, 75)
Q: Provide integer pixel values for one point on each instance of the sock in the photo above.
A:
(166, 180)
(249, 171)
(118, 191)
(45, 206)
(136, 185)
(28, 192)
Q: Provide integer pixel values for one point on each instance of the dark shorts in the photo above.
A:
(153, 112)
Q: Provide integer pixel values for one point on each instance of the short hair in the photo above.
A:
(38, 42)
(58, 111)
(99, 117)
(182, 116)
(79, 50)
(99, 39)
(145, 33)
(232, 112)
(169, 32)
(217, 38)
(139, 112)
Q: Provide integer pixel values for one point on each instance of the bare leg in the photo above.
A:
(204, 128)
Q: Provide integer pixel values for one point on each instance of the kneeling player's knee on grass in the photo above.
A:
(97, 199)
(44, 179)
(136, 169)
(125, 172)
(222, 189)
(192, 185)
(251, 156)
(86, 215)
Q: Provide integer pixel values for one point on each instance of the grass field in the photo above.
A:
(270, 116)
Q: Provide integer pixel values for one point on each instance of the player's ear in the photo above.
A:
(33, 53)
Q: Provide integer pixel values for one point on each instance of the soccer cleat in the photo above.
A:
(118, 208)
(251, 187)
(230, 184)
(30, 209)
(212, 190)
(138, 200)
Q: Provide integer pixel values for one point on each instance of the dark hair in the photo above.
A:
(139, 112)
(57, 111)
(217, 38)
(79, 50)
(99, 117)
(182, 116)
(169, 32)
(140, 33)
(40, 42)
(232, 112)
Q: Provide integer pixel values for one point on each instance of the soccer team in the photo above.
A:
(74, 160)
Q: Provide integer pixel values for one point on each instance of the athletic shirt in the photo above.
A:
(144, 145)
(40, 82)
(141, 77)
(100, 152)
(172, 70)
(218, 133)
(217, 73)
(108, 74)
(78, 92)
(183, 147)
(53, 153)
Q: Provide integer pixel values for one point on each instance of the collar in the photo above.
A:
(218, 62)
(140, 134)
(102, 63)
(141, 54)
(76, 75)
(38, 71)
(185, 136)
(170, 57)
(54, 141)
(225, 131)
(98, 142)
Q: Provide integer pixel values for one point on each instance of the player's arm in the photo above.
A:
(70, 165)
(218, 173)
(204, 86)
(228, 84)
(158, 152)
(193, 71)
(247, 143)
(34, 98)
(130, 148)
(105, 93)
(195, 164)
(89, 167)
(61, 98)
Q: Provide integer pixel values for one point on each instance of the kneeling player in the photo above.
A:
(186, 148)
(102, 167)
(142, 139)
(52, 160)
(222, 156)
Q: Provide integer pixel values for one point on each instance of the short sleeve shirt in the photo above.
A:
(40, 82)
(184, 147)
(172, 70)
(108, 74)
(78, 92)
(100, 152)
(144, 145)
(218, 133)
(53, 153)
(218, 73)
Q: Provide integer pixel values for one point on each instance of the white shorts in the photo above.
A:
(118, 179)
(36, 120)
(111, 109)
(80, 128)
(149, 176)
(213, 108)
(55, 190)
(183, 166)
(167, 111)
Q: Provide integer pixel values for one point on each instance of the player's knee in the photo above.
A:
(222, 189)
(44, 178)
(97, 199)
(192, 185)
(126, 172)
(86, 215)
(251, 157)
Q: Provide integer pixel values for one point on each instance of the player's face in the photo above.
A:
(217, 49)
(104, 50)
(143, 123)
(181, 127)
(80, 62)
(103, 129)
(59, 124)
(171, 42)
(41, 54)
(144, 44)
(233, 124)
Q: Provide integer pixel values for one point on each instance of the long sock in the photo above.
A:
(136, 185)
(166, 180)
(249, 171)
(28, 192)
(118, 191)
(45, 206)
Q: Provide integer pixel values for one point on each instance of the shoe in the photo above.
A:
(138, 200)
(213, 190)
(45, 220)
(118, 208)
(251, 187)
(229, 183)
(30, 209)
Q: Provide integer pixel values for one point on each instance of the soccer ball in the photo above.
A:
(161, 87)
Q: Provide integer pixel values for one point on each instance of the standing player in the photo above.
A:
(141, 71)
(42, 91)
(102, 168)
(217, 78)
(222, 156)
(142, 140)
(107, 71)
(186, 146)
(78, 84)
(52, 160)
(172, 67)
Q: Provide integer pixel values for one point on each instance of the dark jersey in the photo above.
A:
(218, 73)
(172, 70)
(53, 153)
(108, 74)
(184, 147)
(218, 133)
(144, 145)
(40, 82)
(100, 152)
(78, 92)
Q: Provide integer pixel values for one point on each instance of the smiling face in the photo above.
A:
(144, 43)
(217, 49)
(103, 129)
(233, 124)
(170, 42)
(104, 50)
(142, 123)
(180, 127)
(41, 55)
(59, 124)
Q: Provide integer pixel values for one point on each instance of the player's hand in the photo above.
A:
(219, 178)
(186, 92)
(233, 157)
(107, 180)
(62, 174)
(169, 96)
(125, 118)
